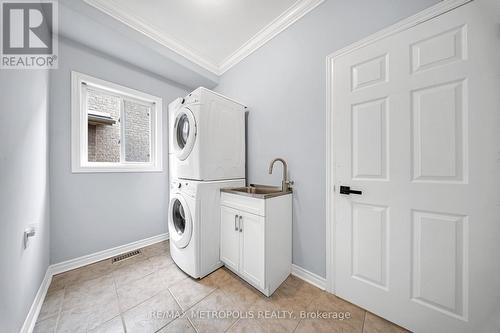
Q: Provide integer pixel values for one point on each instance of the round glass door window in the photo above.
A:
(180, 225)
(178, 217)
(184, 133)
(183, 130)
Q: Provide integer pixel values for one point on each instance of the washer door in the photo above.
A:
(180, 223)
(184, 134)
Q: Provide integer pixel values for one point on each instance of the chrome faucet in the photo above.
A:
(285, 183)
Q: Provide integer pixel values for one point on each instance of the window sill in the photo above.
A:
(121, 169)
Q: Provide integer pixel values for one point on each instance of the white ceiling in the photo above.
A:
(215, 34)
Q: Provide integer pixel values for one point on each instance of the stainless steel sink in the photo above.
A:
(257, 191)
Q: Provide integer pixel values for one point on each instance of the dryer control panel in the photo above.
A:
(192, 98)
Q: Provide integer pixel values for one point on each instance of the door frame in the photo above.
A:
(421, 17)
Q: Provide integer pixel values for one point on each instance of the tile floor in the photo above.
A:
(148, 293)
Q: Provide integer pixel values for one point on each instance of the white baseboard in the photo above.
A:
(29, 322)
(36, 306)
(310, 277)
(105, 254)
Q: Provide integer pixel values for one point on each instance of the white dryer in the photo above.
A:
(208, 137)
(194, 224)
(173, 107)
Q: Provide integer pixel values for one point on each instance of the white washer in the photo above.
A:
(208, 137)
(194, 224)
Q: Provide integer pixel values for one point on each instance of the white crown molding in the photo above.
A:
(309, 277)
(111, 8)
(287, 18)
(414, 20)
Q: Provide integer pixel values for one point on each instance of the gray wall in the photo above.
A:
(24, 192)
(93, 212)
(283, 83)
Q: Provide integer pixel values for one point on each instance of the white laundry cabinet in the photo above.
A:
(256, 238)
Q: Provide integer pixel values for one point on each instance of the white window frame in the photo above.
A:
(79, 127)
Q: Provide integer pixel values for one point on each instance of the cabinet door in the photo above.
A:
(229, 237)
(252, 248)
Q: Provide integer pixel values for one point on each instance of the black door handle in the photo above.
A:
(347, 190)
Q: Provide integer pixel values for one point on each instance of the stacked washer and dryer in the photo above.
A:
(206, 153)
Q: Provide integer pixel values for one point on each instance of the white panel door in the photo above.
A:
(252, 248)
(416, 121)
(229, 237)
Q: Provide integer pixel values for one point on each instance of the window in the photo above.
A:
(114, 128)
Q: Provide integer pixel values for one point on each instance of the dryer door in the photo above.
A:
(184, 134)
(180, 223)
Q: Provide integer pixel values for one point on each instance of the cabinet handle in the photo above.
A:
(241, 224)
(235, 221)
